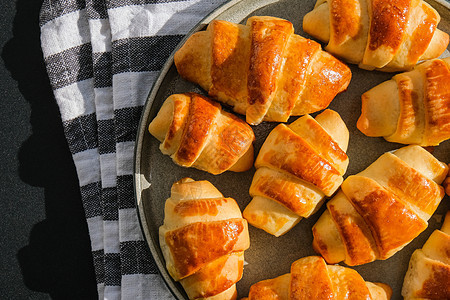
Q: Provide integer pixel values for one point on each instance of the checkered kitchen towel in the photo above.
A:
(102, 57)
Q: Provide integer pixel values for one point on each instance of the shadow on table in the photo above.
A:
(57, 259)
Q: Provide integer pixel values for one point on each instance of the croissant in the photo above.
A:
(428, 275)
(378, 34)
(196, 132)
(311, 278)
(262, 69)
(298, 165)
(380, 210)
(412, 107)
(203, 239)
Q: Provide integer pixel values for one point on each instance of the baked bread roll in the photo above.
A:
(412, 107)
(262, 69)
(380, 210)
(311, 278)
(378, 34)
(298, 165)
(428, 275)
(196, 132)
(203, 239)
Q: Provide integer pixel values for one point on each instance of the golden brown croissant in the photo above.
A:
(380, 210)
(298, 165)
(428, 275)
(203, 239)
(262, 69)
(196, 132)
(378, 34)
(412, 107)
(312, 279)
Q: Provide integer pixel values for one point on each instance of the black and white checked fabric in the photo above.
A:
(102, 57)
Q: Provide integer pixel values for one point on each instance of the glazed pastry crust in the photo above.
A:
(383, 208)
(412, 107)
(196, 132)
(312, 278)
(428, 275)
(262, 69)
(203, 239)
(297, 166)
(378, 34)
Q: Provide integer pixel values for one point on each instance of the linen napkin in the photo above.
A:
(102, 57)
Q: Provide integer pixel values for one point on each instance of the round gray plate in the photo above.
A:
(268, 256)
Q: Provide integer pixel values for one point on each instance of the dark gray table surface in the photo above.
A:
(44, 242)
